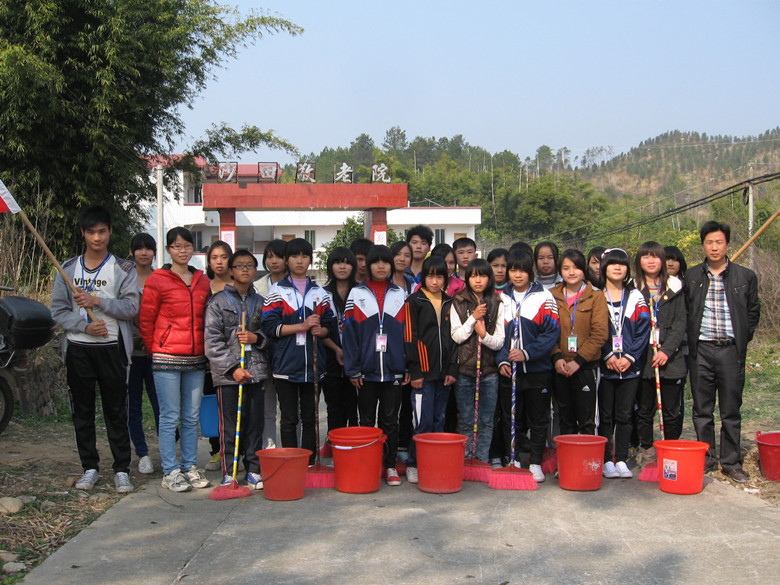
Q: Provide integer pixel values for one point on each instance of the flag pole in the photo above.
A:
(57, 265)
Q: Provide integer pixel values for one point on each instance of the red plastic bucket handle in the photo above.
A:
(351, 447)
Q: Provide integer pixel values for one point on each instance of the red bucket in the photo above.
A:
(440, 462)
(769, 454)
(680, 466)
(357, 458)
(580, 461)
(284, 473)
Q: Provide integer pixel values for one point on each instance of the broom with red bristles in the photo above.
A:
(650, 471)
(233, 490)
(512, 477)
(319, 475)
(473, 468)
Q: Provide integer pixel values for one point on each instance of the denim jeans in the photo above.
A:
(140, 375)
(429, 405)
(465, 390)
(179, 394)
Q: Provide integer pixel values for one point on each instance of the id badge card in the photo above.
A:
(247, 347)
(617, 344)
(657, 338)
(571, 343)
(381, 342)
(300, 338)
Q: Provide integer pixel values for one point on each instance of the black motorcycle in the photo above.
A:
(24, 324)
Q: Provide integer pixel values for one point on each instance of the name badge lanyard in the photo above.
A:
(88, 289)
(516, 342)
(654, 321)
(617, 323)
(572, 340)
(300, 337)
(381, 339)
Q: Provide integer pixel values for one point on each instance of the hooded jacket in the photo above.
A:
(223, 321)
(286, 306)
(539, 330)
(171, 317)
(361, 327)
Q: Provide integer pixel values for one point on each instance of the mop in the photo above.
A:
(233, 490)
(319, 475)
(650, 471)
(473, 468)
(512, 477)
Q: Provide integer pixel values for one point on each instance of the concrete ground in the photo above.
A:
(626, 532)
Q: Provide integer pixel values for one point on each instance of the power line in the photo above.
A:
(733, 189)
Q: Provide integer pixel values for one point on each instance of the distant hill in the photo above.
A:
(677, 159)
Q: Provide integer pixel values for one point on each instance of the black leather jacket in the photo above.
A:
(741, 287)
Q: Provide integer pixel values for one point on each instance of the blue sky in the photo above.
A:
(505, 75)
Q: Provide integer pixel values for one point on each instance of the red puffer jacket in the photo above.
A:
(171, 317)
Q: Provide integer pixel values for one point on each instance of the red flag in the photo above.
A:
(7, 201)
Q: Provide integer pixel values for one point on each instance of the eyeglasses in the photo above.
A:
(178, 248)
(243, 266)
(608, 250)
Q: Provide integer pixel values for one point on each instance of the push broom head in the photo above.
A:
(512, 478)
(230, 491)
(320, 476)
(649, 472)
(476, 470)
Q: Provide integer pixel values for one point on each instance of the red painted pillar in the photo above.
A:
(376, 225)
(227, 227)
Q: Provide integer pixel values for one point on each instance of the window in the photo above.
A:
(438, 237)
(310, 236)
(197, 239)
(193, 191)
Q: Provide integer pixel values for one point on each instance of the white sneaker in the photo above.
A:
(269, 443)
(610, 471)
(411, 474)
(196, 478)
(145, 465)
(122, 483)
(623, 470)
(88, 480)
(536, 471)
(176, 482)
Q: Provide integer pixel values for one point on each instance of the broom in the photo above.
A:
(473, 468)
(650, 471)
(233, 490)
(512, 477)
(319, 475)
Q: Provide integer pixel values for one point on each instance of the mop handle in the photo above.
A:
(516, 345)
(240, 397)
(654, 335)
(315, 370)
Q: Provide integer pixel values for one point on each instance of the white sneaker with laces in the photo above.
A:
(122, 483)
(610, 471)
(145, 465)
(623, 470)
(88, 480)
(196, 478)
(392, 477)
(536, 471)
(411, 474)
(176, 482)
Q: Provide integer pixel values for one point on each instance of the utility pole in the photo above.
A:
(751, 255)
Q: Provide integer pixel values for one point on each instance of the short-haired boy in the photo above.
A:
(98, 351)
(224, 335)
(297, 313)
(420, 240)
(465, 251)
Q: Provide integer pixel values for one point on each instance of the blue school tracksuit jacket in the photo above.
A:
(540, 328)
(361, 327)
(285, 306)
(635, 333)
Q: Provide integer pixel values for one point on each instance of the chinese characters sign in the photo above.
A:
(344, 173)
(306, 173)
(380, 173)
